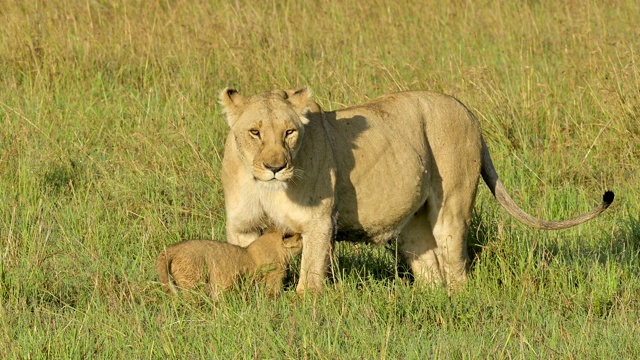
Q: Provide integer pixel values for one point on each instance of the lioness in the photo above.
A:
(403, 166)
(220, 264)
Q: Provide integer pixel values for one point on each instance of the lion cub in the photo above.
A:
(220, 264)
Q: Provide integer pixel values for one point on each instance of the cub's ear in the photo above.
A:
(292, 240)
(232, 103)
(302, 101)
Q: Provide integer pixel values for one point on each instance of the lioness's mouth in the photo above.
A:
(272, 180)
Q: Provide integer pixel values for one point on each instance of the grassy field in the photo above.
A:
(111, 140)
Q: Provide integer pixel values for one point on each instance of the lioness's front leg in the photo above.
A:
(316, 251)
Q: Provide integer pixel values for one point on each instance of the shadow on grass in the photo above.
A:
(360, 261)
(481, 232)
(367, 262)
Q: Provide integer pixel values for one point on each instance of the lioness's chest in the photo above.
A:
(275, 208)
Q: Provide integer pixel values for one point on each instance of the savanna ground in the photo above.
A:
(111, 139)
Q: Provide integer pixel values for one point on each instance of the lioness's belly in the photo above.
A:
(376, 213)
(383, 176)
(351, 235)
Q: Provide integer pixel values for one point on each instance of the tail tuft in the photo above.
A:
(607, 198)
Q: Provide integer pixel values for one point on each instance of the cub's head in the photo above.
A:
(293, 243)
(275, 245)
(268, 129)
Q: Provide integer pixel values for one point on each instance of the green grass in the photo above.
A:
(111, 139)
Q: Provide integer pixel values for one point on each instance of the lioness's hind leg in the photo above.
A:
(450, 219)
(417, 247)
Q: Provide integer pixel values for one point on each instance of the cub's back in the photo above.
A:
(194, 257)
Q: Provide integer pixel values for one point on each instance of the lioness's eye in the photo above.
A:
(255, 133)
(289, 132)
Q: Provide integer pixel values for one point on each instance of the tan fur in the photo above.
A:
(219, 264)
(405, 165)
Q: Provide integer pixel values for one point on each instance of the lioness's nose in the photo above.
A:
(274, 168)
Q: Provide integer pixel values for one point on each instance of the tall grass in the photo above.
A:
(111, 140)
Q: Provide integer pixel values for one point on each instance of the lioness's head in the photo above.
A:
(268, 129)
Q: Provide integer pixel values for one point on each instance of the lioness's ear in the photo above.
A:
(232, 102)
(302, 101)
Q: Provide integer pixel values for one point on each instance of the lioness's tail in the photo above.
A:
(490, 177)
(163, 264)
